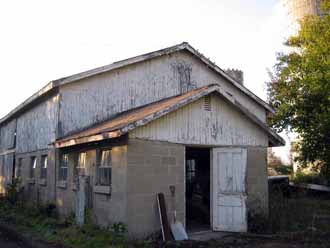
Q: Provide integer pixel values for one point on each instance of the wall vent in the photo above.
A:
(207, 103)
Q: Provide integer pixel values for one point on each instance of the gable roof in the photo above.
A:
(127, 121)
(116, 65)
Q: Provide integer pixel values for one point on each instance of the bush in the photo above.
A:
(313, 178)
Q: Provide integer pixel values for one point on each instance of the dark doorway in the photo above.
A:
(197, 189)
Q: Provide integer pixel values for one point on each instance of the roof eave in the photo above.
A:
(274, 139)
(129, 61)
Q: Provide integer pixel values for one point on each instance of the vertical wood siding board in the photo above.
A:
(36, 128)
(188, 125)
(7, 139)
(114, 88)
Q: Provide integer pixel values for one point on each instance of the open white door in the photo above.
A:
(228, 190)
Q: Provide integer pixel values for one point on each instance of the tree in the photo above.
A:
(300, 90)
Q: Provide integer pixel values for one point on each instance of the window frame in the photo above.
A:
(33, 167)
(63, 168)
(105, 167)
(43, 168)
(79, 167)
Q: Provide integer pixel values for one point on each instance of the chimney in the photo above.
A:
(237, 75)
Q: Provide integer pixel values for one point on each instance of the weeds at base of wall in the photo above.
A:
(42, 222)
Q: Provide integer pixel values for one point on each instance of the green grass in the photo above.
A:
(288, 216)
(30, 220)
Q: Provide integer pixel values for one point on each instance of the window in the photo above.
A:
(80, 165)
(33, 166)
(191, 170)
(63, 170)
(103, 173)
(19, 167)
(43, 169)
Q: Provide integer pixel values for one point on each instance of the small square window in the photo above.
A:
(33, 166)
(44, 165)
(104, 170)
(64, 165)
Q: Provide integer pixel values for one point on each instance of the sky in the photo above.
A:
(43, 40)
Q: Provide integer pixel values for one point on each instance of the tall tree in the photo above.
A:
(300, 90)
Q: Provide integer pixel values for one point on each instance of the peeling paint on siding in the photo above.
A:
(36, 128)
(223, 126)
(182, 71)
(100, 97)
(7, 135)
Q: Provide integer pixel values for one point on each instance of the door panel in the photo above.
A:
(229, 195)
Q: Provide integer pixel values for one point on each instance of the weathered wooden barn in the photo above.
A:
(168, 121)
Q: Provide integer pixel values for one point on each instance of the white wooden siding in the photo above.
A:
(98, 98)
(36, 128)
(192, 124)
(7, 135)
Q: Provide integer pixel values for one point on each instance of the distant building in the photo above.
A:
(298, 9)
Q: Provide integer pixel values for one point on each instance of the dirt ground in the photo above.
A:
(255, 242)
(6, 241)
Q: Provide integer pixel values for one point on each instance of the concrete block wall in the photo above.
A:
(152, 167)
(257, 180)
(106, 208)
(36, 190)
(109, 209)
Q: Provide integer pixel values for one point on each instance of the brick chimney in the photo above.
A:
(236, 74)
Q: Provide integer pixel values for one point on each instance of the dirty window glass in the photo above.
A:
(63, 171)
(80, 164)
(33, 167)
(43, 169)
(104, 168)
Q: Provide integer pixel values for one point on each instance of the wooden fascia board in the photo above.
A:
(36, 96)
(10, 151)
(274, 137)
(88, 139)
(130, 61)
(230, 79)
(130, 126)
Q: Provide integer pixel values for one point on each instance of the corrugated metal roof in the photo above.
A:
(129, 120)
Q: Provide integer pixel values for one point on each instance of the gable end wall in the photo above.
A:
(98, 98)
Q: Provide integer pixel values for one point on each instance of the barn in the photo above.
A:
(111, 138)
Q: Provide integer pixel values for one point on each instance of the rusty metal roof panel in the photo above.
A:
(131, 119)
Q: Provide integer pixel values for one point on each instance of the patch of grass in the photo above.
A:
(298, 212)
(40, 223)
